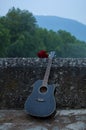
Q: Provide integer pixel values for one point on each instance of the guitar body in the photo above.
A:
(41, 102)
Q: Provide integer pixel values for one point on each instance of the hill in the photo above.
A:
(56, 23)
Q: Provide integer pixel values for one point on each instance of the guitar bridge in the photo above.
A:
(40, 100)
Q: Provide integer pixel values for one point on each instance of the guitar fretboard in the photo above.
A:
(46, 76)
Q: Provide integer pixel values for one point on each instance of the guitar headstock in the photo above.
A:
(52, 54)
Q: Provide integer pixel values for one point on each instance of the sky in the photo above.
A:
(71, 9)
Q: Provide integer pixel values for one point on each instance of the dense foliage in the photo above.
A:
(20, 36)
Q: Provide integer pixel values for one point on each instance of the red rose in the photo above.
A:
(42, 54)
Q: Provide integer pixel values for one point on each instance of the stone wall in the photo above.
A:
(18, 75)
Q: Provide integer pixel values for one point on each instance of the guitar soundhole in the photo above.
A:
(43, 89)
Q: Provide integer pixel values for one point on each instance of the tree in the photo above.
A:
(21, 37)
(4, 40)
(18, 21)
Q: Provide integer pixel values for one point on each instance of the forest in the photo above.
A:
(20, 36)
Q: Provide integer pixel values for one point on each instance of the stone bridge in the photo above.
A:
(17, 78)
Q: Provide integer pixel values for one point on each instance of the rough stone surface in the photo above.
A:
(63, 120)
(17, 76)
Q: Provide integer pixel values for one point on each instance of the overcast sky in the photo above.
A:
(72, 9)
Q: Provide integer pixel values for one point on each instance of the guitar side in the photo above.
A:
(41, 104)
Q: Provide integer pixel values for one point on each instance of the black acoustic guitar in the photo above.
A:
(41, 102)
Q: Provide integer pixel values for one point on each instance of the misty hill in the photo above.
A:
(56, 23)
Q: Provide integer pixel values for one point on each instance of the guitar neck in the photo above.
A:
(46, 76)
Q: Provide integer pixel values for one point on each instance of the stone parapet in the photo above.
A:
(18, 75)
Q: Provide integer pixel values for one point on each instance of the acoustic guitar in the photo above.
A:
(41, 102)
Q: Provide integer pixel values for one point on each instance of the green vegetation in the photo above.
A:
(20, 36)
